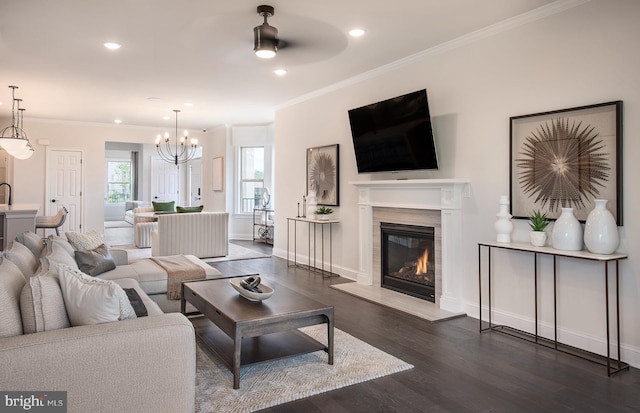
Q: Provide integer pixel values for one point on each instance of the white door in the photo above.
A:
(165, 182)
(195, 182)
(64, 186)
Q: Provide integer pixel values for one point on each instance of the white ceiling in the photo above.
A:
(201, 51)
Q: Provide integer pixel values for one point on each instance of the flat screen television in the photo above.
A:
(394, 135)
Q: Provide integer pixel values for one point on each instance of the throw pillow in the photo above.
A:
(136, 302)
(181, 209)
(86, 240)
(57, 255)
(23, 258)
(31, 241)
(59, 241)
(95, 261)
(42, 304)
(11, 283)
(163, 206)
(90, 300)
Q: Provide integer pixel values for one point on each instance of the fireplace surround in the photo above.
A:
(428, 202)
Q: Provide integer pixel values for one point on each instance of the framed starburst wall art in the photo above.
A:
(323, 174)
(566, 159)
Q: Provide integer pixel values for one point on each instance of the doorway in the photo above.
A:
(65, 177)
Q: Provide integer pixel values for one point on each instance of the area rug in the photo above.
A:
(271, 383)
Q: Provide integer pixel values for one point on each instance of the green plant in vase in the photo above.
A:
(323, 213)
(538, 222)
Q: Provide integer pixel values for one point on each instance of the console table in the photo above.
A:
(312, 223)
(263, 225)
(614, 365)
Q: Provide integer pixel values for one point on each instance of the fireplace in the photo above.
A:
(408, 259)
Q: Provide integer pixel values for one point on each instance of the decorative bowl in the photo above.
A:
(250, 295)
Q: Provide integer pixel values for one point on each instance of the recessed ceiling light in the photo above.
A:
(356, 32)
(280, 72)
(188, 104)
(112, 46)
(118, 121)
(153, 99)
(166, 117)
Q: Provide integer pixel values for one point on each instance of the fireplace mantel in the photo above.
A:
(444, 195)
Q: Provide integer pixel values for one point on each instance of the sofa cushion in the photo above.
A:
(164, 206)
(31, 241)
(22, 257)
(90, 300)
(151, 277)
(57, 254)
(42, 304)
(95, 261)
(59, 241)
(183, 209)
(11, 283)
(86, 240)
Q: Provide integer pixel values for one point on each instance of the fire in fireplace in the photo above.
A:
(408, 259)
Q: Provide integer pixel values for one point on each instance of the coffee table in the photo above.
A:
(243, 332)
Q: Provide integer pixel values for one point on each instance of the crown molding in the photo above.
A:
(492, 30)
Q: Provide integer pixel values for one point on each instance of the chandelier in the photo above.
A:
(178, 152)
(13, 139)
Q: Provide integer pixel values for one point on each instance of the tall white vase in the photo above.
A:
(503, 226)
(311, 205)
(567, 232)
(601, 231)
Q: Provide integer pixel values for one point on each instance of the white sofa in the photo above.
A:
(203, 234)
(146, 364)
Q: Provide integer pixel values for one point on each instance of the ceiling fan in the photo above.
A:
(265, 37)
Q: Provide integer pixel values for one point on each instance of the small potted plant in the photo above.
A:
(323, 213)
(538, 222)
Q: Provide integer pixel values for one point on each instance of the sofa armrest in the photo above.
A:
(141, 365)
(120, 256)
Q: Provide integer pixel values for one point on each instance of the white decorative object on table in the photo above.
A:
(567, 232)
(601, 231)
(503, 225)
(311, 205)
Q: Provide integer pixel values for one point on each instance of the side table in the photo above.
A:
(312, 223)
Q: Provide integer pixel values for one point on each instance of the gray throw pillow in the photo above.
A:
(96, 261)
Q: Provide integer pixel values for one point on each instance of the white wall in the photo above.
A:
(582, 56)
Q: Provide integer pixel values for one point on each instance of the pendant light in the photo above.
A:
(13, 139)
(180, 151)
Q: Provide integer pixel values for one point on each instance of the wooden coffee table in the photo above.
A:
(243, 332)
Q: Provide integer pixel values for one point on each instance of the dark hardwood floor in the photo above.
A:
(456, 368)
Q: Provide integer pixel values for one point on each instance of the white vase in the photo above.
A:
(538, 238)
(311, 205)
(323, 217)
(503, 225)
(601, 231)
(567, 232)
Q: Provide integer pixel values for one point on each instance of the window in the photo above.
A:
(118, 181)
(251, 178)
